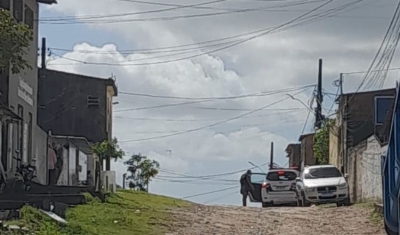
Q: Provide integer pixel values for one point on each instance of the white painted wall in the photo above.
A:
(72, 164)
(63, 180)
(108, 180)
(83, 164)
(370, 181)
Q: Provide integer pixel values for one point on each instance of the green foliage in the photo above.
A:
(125, 213)
(321, 142)
(107, 150)
(15, 39)
(141, 170)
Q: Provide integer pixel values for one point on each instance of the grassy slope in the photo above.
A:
(126, 212)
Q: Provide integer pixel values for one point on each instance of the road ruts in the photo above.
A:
(214, 220)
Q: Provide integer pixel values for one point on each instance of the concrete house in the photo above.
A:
(74, 105)
(20, 135)
(294, 154)
(359, 140)
(307, 150)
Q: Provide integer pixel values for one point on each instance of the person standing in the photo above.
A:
(52, 161)
(245, 186)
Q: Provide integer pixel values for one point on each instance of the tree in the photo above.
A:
(141, 170)
(321, 142)
(108, 150)
(15, 39)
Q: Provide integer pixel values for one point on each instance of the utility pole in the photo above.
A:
(271, 160)
(43, 55)
(341, 83)
(318, 111)
(124, 181)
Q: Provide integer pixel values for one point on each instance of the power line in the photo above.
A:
(99, 18)
(203, 100)
(274, 29)
(209, 126)
(210, 192)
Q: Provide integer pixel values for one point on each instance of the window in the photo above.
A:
(281, 176)
(324, 172)
(18, 9)
(5, 4)
(257, 178)
(93, 101)
(28, 17)
(382, 106)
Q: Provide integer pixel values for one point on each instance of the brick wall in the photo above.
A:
(365, 178)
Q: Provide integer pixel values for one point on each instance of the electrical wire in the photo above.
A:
(210, 192)
(99, 19)
(265, 93)
(209, 126)
(274, 29)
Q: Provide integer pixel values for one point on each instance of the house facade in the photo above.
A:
(72, 159)
(20, 135)
(80, 106)
(359, 140)
(307, 150)
(294, 154)
(76, 105)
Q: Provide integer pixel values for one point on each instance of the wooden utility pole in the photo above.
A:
(271, 160)
(318, 111)
(43, 55)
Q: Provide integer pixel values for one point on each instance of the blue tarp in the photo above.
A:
(390, 174)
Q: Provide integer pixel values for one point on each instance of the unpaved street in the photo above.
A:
(279, 220)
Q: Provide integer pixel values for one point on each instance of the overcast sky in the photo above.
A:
(215, 136)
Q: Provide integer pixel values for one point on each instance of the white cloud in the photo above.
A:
(285, 59)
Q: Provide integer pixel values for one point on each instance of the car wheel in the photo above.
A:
(265, 204)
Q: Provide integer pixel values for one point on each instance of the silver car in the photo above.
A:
(322, 184)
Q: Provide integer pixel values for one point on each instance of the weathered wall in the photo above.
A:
(83, 166)
(365, 178)
(109, 181)
(73, 178)
(334, 158)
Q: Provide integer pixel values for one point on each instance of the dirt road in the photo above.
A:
(280, 220)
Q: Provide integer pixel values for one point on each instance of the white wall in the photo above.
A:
(370, 182)
(83, 164)
(63, 180)
(72, 164)
(108, 180)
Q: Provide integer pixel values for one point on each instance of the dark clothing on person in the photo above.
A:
(245, 186)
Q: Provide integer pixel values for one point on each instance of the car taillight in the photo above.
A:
(265, 185)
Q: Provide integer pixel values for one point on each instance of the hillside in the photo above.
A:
(124, 213)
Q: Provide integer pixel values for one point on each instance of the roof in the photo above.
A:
(80, 142)
(47, 1)
(107, 81)
(305, 136)
(5, 111)
(370, 92)
(290, 146)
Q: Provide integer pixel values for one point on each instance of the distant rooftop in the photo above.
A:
(47, 1)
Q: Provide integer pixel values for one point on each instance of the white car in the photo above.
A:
(277, 187)
(322, 184)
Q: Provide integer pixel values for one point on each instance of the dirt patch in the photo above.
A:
(281, 220)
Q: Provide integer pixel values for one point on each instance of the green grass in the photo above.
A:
(124, 213)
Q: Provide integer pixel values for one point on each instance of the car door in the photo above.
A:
(256, 180)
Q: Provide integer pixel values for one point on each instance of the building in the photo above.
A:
(307, 150)
(76, 105)
(73, 154)
(21, 136)
(294, 154)
(79, 106)
(359, 140)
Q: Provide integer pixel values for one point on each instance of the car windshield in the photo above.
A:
(325, 172)
(281, 176)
